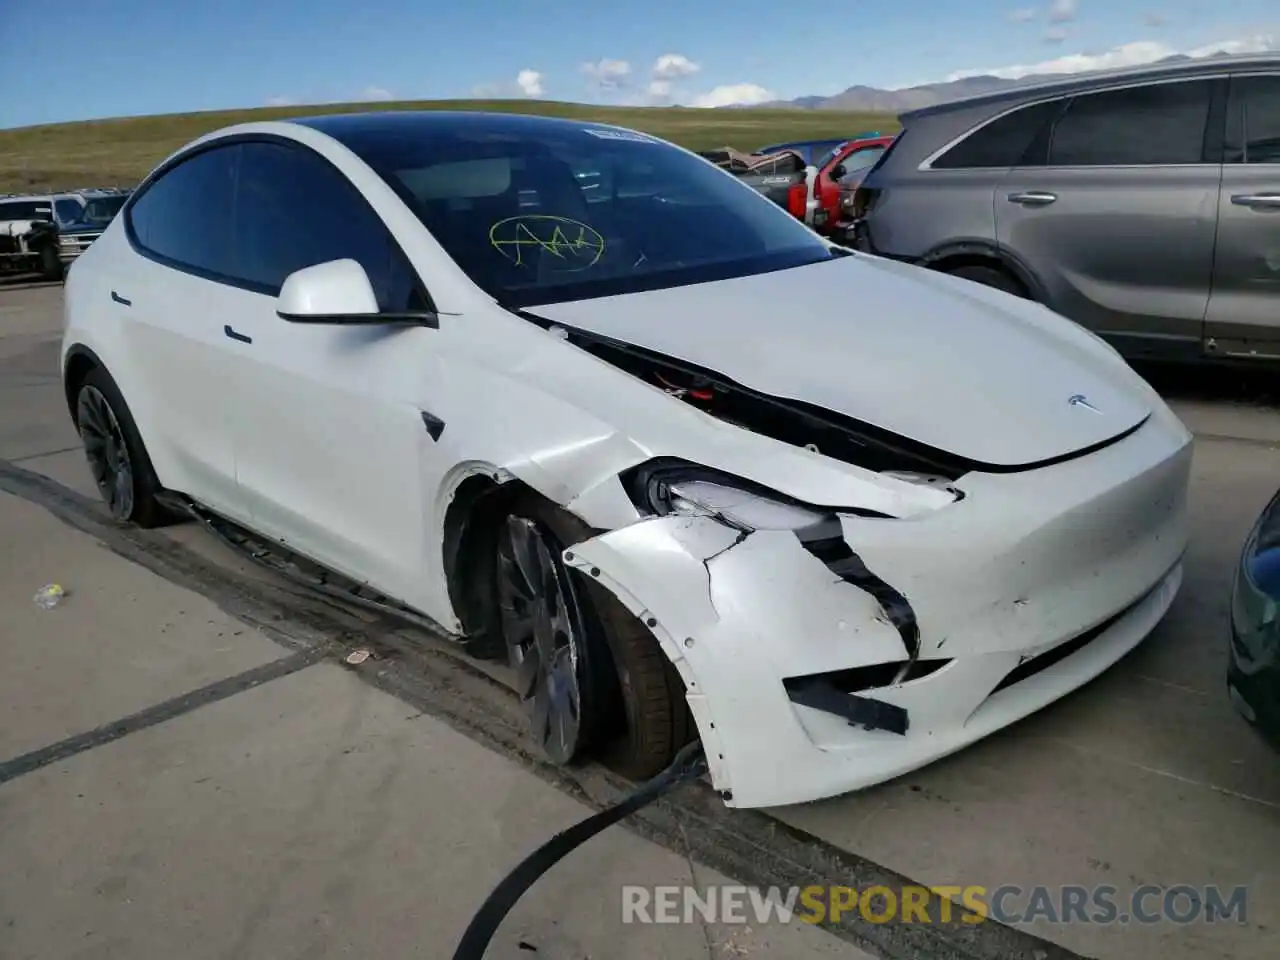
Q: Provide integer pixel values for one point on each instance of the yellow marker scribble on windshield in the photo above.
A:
(573, 241)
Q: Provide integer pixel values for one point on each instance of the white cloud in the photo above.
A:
(1055, 36)
(1022, 15)
(658, 91)
(530, 83)
(673, 66)
(1126, 55)
(284, 101)
(733, 94)
(376, 93)
(607, 74)
(1062, 11)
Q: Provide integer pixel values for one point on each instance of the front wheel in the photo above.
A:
(592, 676)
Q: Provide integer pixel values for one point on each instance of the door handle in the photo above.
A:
(119, 299)
(1033, 198)
(235, 335)
(1259, 201)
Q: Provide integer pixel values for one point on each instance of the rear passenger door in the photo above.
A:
(1114, 209)
(1244, 310)
(173, 305)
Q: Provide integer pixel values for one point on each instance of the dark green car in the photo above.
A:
(1253, 676)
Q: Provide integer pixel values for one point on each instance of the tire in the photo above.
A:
(50, 265)
(991, 277)
(118, 460)
(632, 709)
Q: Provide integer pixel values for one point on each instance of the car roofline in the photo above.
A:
(1033, 87)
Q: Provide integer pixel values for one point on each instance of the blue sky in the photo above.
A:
(104, 58)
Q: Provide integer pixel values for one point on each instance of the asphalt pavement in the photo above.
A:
(190, 767)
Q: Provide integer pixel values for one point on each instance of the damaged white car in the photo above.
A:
(590, 404)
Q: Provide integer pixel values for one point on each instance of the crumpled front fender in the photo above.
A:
(736, 613)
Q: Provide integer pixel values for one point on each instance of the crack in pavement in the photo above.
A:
(159, 713)
(749, 846)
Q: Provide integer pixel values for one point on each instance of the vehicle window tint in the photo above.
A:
(1002, 142)
(1253, 125)
(294, 210)
(26, 210)
(185, 215)
(1153, 124)
(68, 211)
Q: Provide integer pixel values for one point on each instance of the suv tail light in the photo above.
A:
(797, 198)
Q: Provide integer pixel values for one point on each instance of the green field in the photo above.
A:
(109, 152)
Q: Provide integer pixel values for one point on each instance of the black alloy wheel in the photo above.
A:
(106, 450)
(544, 625)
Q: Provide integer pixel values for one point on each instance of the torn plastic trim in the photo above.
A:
(860, 711)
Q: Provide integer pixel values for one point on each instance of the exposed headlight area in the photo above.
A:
(668, 486)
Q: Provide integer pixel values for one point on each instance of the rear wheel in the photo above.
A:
(991, 277)
(591, 676)
(117, 458)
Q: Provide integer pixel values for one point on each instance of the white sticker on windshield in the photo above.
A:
(630, 135)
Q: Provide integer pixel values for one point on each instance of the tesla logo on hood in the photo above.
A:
(1080, 400)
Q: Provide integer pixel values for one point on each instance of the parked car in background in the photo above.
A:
(811, 151)
(812, 192)
(840, 171)
(1253, 674)
(30, 227)
(99, 210)
(1143, 204)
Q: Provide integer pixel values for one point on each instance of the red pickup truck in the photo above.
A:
(815, 193)
(839, 174)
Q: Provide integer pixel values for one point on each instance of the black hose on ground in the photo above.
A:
(689, 764)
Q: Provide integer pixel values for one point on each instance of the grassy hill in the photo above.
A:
(101, 152)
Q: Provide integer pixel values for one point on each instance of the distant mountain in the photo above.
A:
(864, 99)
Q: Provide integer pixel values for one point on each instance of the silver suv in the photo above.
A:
(1143, 204)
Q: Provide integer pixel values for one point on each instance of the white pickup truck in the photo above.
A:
(29, 231)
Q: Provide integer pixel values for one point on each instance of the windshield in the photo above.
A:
(103, 209)
(570, 213)
(26, 210)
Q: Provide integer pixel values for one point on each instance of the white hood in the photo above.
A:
(937, 360)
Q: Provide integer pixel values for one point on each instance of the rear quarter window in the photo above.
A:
(1003, 142)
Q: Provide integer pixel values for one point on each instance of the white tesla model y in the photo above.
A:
(586, 402)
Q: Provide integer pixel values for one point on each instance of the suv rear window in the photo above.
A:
(1002, 142)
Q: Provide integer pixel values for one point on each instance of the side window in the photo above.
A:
(185, 215)
(1148, 125)
(1002, 142)
(856, 163)
(1253, 120)
(67, 211)
(293, 210)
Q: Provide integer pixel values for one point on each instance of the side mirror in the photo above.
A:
(838, 171)
(339, 292)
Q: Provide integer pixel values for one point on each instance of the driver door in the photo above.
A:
(333, 455)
